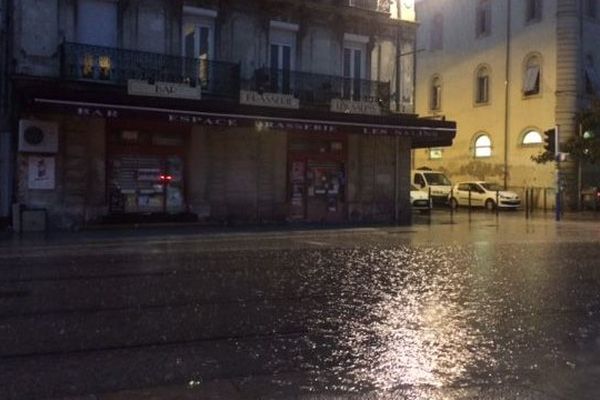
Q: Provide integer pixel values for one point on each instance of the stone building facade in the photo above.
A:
(507, 71)
(224, 111)
(5, 137)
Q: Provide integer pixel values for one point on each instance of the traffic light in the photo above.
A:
(550, 141)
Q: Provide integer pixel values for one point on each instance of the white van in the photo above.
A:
(434, 181)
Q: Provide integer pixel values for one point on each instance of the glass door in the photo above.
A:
(353, 73)
(281, 65)
(197, 51)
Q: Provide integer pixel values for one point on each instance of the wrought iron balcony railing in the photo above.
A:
(372, 5)
(317, 90)
(117, 66)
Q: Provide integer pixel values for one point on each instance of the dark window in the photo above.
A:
(591, 8)
(437, 32)
(482, 87)
(592, 82)
(419, 181)
(531, 79)
(483, 18)
(533, 10)
(436, 94)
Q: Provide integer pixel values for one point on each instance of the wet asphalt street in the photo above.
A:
(470, 307)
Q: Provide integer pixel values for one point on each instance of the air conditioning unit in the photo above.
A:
(38, 136)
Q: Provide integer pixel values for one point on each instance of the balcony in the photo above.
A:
(117, 66)
(371, 5)
(324, 92)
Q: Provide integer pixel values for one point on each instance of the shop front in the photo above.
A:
(317, 178)
(127, 158)
(145, 170)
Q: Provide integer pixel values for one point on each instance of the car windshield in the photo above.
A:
(491, 186)
(437, 179)
(413, 187)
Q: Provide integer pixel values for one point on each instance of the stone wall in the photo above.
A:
(79, 195)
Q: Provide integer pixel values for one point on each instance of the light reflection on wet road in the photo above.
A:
(491, 309)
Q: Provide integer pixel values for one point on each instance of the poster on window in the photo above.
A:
(41, 173)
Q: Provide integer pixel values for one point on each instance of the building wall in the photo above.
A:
(232, 174)
(5, 129)
(79, 194)
(456, 64)
(242, 35)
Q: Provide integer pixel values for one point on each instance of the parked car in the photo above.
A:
(419, 200)
(483, 194)
(434, 182)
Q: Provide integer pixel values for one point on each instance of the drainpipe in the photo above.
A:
(398, 72)
(396, 176)
(581, 64)
(507, 93)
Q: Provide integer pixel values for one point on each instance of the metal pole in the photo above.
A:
(398, 72)
(469, 199)
(526, 203)
(497, 202)
(579, 177)
(556, 156)
(507, 92)
(396, 175)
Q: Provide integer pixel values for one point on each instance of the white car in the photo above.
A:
(419, 200)
(482, 194)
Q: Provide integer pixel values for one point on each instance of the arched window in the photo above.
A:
(482, 85)
(483, 146)
(532, 137)
(435, 100)
(532, 75)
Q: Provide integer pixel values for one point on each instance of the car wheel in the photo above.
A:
(490, 205)
(453, 203)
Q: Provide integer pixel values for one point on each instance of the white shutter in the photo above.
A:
(97, 22)
(531, 78)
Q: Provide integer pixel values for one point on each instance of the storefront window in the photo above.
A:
(146, 172)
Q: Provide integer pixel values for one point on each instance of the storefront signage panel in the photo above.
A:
(163, 89)
(241, 120)
(269, 100)
(355, 107)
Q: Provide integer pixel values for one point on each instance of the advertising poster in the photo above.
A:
(41, 173)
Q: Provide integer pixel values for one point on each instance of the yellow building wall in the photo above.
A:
(456, 64)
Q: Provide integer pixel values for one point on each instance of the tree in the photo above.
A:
(584, 147)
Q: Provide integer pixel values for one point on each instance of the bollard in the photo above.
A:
(497, 202)
(526, 203)
(469, 199)
(450, 202)
(430, 200)
(545, 200)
